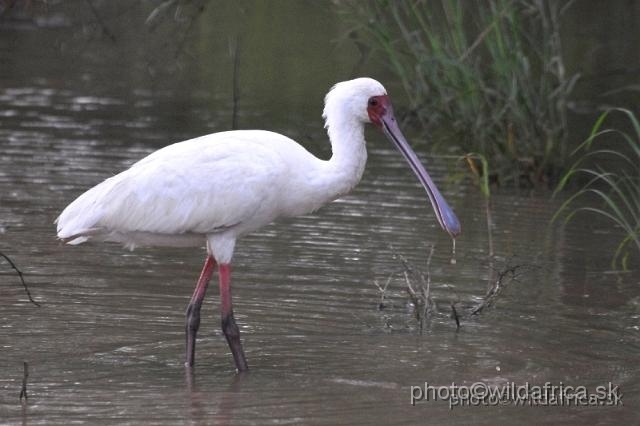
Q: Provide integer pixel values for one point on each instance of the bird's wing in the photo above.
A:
(197, 186)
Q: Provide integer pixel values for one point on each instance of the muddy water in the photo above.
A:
(106, 346)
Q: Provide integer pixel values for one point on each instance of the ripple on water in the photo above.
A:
(107, 344)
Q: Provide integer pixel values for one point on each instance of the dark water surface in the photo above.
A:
(107, 344)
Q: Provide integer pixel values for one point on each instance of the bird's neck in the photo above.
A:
(349, 156)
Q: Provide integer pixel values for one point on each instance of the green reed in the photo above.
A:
(612, 175)
(480, 76)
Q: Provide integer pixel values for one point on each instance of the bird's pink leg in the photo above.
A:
(229, 327)
(193, 310)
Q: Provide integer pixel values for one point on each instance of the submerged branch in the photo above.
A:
(25, 376)
(417, 285)
(421, 298)
(383, 292)
(455, 316)
(24, 284)
(498, 285)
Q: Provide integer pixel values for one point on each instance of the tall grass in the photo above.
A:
(481, 76)
(612, 176)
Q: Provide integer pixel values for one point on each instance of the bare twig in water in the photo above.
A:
(498, 285)
(25, 376)
(455, 316)
(418, 288)
(24, 284)
(421, 299)
(383, 292)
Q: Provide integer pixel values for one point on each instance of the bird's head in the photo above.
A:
(350, 99)
(366, 101)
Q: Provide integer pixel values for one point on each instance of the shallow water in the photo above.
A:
(107, 344)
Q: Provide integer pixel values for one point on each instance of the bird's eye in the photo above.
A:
(373, 102)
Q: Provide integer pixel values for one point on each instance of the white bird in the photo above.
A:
(218, 187)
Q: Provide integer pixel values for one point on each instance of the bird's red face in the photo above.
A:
(377, 107)
(381, 115)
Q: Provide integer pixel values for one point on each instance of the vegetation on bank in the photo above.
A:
(608, 165)
(485, 78)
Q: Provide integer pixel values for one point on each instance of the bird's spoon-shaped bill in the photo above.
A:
(382, 115)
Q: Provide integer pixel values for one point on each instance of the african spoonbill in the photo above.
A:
(215, 188)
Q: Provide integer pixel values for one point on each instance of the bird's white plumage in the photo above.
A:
(223, 185)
